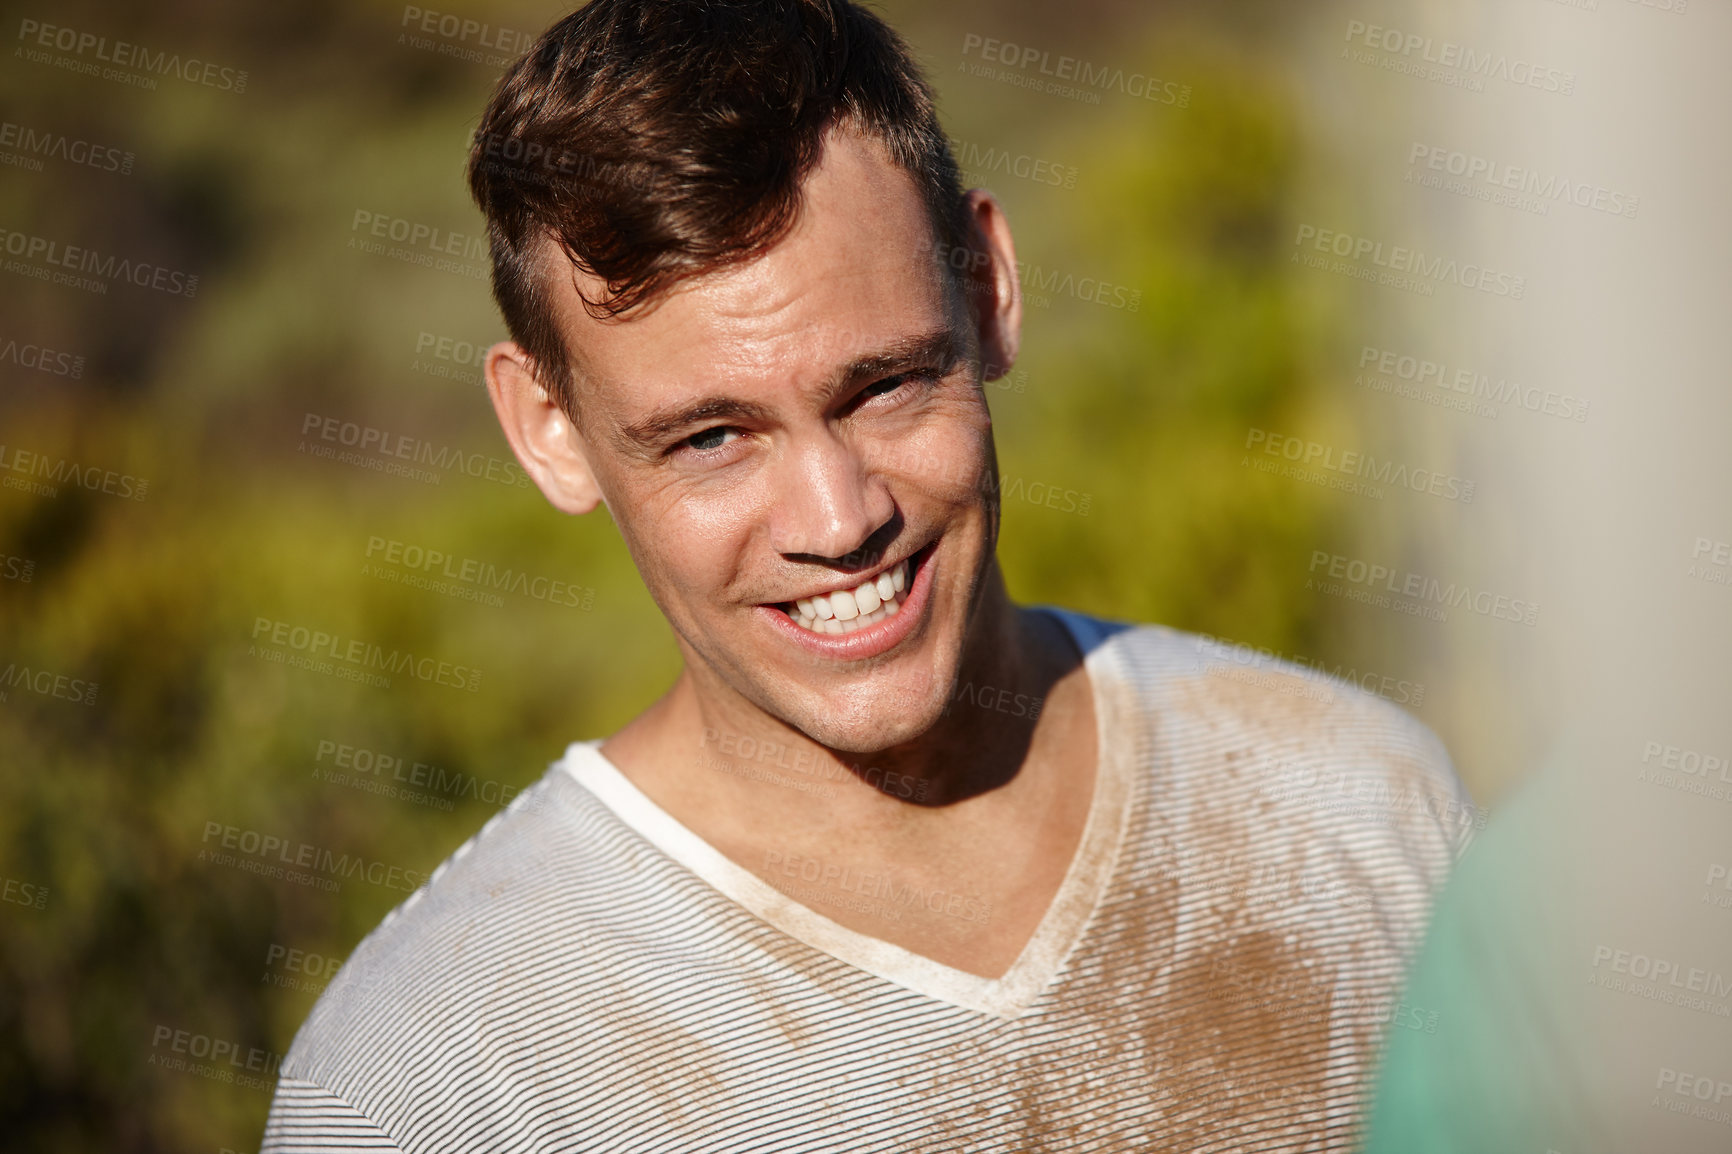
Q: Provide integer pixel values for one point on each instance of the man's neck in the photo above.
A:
(703, 737)
(991, 802)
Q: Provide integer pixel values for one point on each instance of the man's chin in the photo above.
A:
(867, 738)
(880, 719)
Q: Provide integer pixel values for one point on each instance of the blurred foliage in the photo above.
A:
(108, 804)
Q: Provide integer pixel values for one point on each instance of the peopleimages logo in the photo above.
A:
(1399, 264)
(417, 234)
(1256, 657)
(885, 894)
(270, 855)
(398, 775)
(418, 243)
(1486, 179)
(1434, 379)
(289, 968)
(33, 143)
(976, 161)
(466, 577)
(1711, 561)
(450, 358)
(1037, 281)
(1367, 796)
(47, 683)
(37, 35)
(1707, 775)
(1687, 1094)
(1374, 584)
(14, 568)
(42, 359)
(462, 30)
(1447, 61)
(88, 268)
(1364, 466)
(1103, 77)
(1661, 980)
(54, 472)
(310, 646)
(17, 892)
(399, 453)
(219, 1059)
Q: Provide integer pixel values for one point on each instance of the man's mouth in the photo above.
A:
(847, 608)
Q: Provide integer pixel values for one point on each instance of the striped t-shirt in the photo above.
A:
(1215, 973)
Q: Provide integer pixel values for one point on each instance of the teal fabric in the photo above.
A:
(1502, 1071)
(1545, 1044)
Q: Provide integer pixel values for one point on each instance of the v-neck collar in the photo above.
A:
(1060, 929)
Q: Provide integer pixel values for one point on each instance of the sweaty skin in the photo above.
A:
(794, 425)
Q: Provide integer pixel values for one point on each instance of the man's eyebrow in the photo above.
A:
(937, 348)
(656, 427)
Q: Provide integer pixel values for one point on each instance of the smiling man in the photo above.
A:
(895, 864)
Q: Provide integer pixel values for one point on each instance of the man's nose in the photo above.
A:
(829, 503)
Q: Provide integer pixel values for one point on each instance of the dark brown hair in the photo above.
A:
(655, 139)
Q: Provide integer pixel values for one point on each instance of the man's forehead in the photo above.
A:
(855, 272)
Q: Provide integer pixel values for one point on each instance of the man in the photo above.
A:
(895, 864)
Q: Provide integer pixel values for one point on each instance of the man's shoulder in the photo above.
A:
(1325, 738)
(538, 877)
(1227, 675)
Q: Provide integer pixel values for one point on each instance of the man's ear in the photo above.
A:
(546, 442)
(994, 289)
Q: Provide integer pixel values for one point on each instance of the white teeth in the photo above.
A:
(847, 610)
(866, 597)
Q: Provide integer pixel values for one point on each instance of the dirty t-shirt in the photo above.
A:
(1216, 972)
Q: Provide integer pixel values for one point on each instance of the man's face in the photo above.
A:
(799, 456)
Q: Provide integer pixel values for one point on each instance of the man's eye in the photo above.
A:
(891, 384)
(711, 439)
(887, 385)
